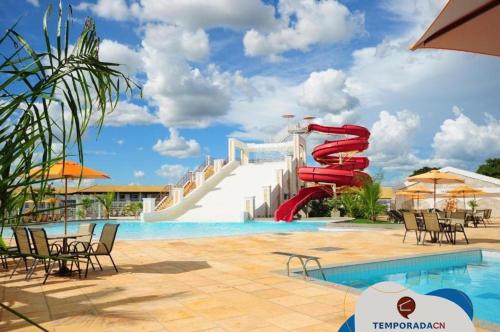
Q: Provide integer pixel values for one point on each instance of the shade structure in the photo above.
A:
(465, 191)
(435, 177)
(465, 25)
(68, 170)
(417, 192)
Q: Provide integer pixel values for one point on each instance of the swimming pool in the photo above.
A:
(136, 230)
(475, 272)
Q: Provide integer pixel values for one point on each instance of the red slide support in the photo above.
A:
(343, 171)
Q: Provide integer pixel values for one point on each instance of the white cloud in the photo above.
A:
(35, 3)
(391, 140)
(113, 51)
(110, 9)
(463, 140)
(303, 23)
(204, 14)
(139, 174)
(185, 97)
(120, 142)
(326, 92)
(127, 113)
(171, 172)
(177, 146)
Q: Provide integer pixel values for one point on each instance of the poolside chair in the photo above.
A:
(458, 226)
(23, 248)
(411, 225)
(433, 227)
(48, 254)
(103, 247)
(487, 216)
(478, 217)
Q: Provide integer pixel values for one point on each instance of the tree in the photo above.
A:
(351, 201)
(48, 99)
(490, 168)
(86, 204)
(369, 196)
(67, 81)
(423, 170)
(107, 202)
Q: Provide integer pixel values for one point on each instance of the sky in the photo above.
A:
(223, 68)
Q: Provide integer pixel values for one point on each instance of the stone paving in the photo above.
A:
(210, 284)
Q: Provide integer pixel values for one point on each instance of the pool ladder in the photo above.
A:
(304, 259)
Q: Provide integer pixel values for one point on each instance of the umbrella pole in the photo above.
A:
(434, 195)
(65, 204)
(463, 196)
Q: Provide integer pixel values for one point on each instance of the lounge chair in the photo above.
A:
(23, 248)
(48, 254)
(458, 225)
(103, 247)
(433, 227)
(411, 225)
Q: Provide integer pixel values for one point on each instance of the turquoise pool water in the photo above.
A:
(136, 230)
(475, 272)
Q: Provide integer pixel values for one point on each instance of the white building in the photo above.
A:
(490, 185)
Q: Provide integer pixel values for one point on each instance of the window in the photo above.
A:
(122, 197)
(134, 196)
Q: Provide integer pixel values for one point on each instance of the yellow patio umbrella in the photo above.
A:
(416, 192)
(465, 25)
(68, 170)
(435, 177)
(465, 191)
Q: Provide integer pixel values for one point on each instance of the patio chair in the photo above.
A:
(460, 215)
(48, 254)
(23, 248)
(478, 217)
(487, 216)
(411, 225)
(458, 226)
(103, 247)
(432, 226)
(7, 252)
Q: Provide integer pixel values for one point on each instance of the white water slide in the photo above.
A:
(225, 202)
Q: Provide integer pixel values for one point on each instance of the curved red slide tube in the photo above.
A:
(345, 173)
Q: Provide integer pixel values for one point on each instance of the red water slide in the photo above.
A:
(339, 167)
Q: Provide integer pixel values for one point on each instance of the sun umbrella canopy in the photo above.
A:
(418, 190)
(461, 190)
(465, 25)
(69, 169)
(435, 177)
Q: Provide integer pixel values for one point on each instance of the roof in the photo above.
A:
(470, 174)
(386, 193)
(115, 188)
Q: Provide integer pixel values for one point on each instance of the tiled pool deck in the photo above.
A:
(210, 284)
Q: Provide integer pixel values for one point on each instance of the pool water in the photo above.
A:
(136, 230)
(474, 272)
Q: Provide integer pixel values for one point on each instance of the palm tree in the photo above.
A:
(369, 196)
(48, 99)
(107, 202)
(86, 204)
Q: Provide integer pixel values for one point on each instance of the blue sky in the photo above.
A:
(213, 69)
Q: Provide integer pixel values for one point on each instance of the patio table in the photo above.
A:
(64, 237)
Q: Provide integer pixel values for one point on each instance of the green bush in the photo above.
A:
(319, 208)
